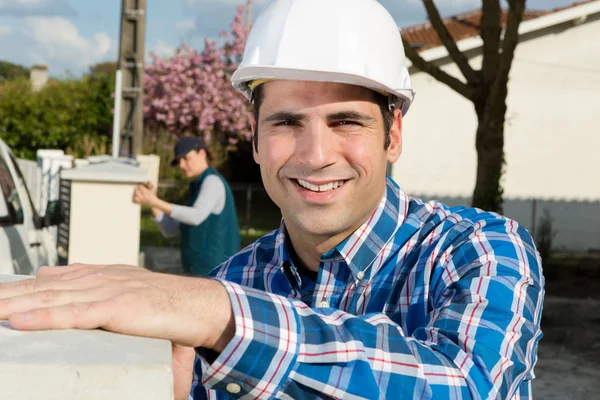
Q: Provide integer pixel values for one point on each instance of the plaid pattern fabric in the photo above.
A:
(423, 301)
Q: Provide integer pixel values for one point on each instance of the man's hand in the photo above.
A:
(144, 195)
(190, 312)
(183, 370)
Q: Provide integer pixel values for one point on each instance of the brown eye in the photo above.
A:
(346, 123)
(286, 123)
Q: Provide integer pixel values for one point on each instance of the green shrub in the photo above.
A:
(61, 115)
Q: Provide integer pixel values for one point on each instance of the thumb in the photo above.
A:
(183, 370)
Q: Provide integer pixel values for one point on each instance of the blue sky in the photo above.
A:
(70, 35)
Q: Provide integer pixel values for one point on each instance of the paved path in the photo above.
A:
(564, 375)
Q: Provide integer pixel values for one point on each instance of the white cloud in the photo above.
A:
(163, 50)
(5, 30)
(194, 3)
(24, 8)
(186, 25)
(57, 40)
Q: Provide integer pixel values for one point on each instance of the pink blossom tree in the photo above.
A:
(191, 93)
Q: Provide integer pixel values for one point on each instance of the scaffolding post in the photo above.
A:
(131, 63)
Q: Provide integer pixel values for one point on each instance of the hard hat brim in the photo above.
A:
(244, 75)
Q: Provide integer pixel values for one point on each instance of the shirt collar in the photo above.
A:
(361, 249)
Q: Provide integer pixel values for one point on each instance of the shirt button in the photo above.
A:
(360, 275)
(234, 388)
(324, 304)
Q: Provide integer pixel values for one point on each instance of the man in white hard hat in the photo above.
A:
(362, 292)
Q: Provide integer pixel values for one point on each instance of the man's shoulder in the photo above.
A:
(469, 235)
(436, 216)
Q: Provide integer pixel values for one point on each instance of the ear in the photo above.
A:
(253, 126)
(395, 148)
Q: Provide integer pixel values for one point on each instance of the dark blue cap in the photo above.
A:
(185, 145)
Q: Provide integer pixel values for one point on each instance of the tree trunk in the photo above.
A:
(489, 144)
(486, 88)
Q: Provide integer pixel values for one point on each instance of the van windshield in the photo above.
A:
(10, 193)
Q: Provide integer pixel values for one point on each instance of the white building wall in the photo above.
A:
(552, 133)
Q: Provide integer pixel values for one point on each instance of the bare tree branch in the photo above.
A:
(436, 72)
(457, 56)
(511, 39)
(491, 30)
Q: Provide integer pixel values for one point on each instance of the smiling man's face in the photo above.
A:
(321, 154)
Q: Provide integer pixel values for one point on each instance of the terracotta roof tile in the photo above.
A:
(463, 26)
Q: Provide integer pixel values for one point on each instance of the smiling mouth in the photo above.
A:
(320, 188)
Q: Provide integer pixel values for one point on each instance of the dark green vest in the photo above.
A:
(207, 245)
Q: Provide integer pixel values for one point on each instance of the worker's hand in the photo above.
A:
(190, 312)
(145, 195)
(150, 186)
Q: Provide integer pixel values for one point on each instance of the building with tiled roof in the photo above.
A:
(552, 128)
(464, 26)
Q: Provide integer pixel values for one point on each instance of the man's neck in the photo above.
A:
(309, 248)
(199, 172)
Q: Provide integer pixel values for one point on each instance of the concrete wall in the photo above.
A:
(576, 224)
(552, 133)
(82, 364)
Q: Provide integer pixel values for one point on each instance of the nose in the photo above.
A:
(316, 146)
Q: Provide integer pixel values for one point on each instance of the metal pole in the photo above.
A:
(116, 134)
(131, 62)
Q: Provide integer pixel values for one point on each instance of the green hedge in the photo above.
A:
(65, 114)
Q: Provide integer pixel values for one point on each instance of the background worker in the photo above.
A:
(208, 225)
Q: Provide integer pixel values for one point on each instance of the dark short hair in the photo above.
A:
(381, 100)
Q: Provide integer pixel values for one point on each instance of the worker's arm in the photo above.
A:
(479, 339)
(211, 200)
(168, 226)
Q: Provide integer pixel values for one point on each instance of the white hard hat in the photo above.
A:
(355, 42)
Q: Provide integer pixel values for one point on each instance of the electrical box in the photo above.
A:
(101, 223)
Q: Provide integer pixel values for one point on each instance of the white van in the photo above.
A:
(24, 243)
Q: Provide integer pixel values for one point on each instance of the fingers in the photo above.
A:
(55, 271)
(73, 277)
(90, 315)
(17, 288)
(50, 298)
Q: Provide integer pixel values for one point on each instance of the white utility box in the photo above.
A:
(78, 364)
(102, 224)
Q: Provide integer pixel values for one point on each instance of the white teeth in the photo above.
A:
(320, 188)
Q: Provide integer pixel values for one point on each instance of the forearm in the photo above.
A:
(156, 212)
(211, 199)
(160, 206)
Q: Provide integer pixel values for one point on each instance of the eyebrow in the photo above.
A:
(352, 115)
(285, 116)
(337, 116)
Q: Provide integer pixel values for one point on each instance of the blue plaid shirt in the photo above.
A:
(423, 301)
